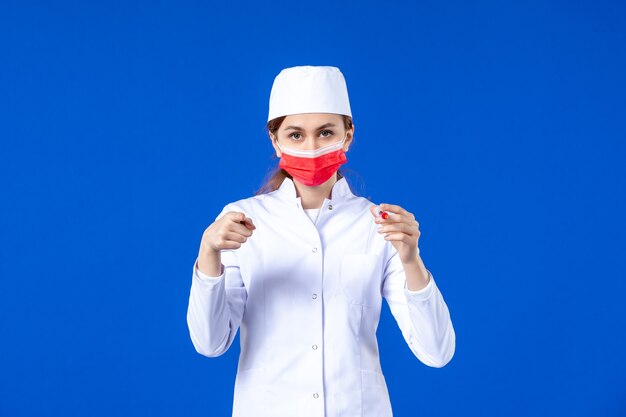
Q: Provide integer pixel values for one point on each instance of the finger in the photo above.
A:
(235, 237)
(379, 214)
(236, 216)
(398, 218)
(248, 223)
(240, 228)
(399, 237)
(394, 209)
(241, 218)
(230, 244)
(398, 228)
(226, 242)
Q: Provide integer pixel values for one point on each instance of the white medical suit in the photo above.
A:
(307, 298)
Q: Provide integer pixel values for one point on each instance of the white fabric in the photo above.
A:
(307, 299)
(309, 89)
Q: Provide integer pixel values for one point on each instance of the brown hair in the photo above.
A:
(277, 176)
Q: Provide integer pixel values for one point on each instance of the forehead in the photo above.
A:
(312, 120)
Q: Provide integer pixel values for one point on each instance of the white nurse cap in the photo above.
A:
(309, 89)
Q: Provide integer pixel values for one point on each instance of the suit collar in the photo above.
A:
(340, 191)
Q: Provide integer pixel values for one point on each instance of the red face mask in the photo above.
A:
(313, 168)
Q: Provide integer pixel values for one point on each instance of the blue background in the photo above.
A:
(127, 126)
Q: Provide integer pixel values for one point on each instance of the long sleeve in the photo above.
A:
(422, 316)
(216, 306)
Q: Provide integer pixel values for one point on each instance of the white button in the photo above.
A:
(314, 296)
(314, 250)
(314, 347)
(316, 395)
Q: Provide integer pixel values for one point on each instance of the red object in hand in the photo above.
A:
(383, 214)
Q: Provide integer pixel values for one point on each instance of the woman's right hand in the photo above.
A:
(228, 232)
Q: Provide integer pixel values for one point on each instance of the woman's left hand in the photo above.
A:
(401, 229)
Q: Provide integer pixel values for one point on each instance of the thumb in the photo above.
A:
(237, 216)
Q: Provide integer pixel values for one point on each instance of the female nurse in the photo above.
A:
(302, 267)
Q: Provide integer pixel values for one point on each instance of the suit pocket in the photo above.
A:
(361, 279)
(250, 397)
(376, 401)
(250, 377)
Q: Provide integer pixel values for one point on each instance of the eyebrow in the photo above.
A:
(319, 128)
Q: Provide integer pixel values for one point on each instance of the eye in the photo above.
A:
(295, 136)
(326, 133)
